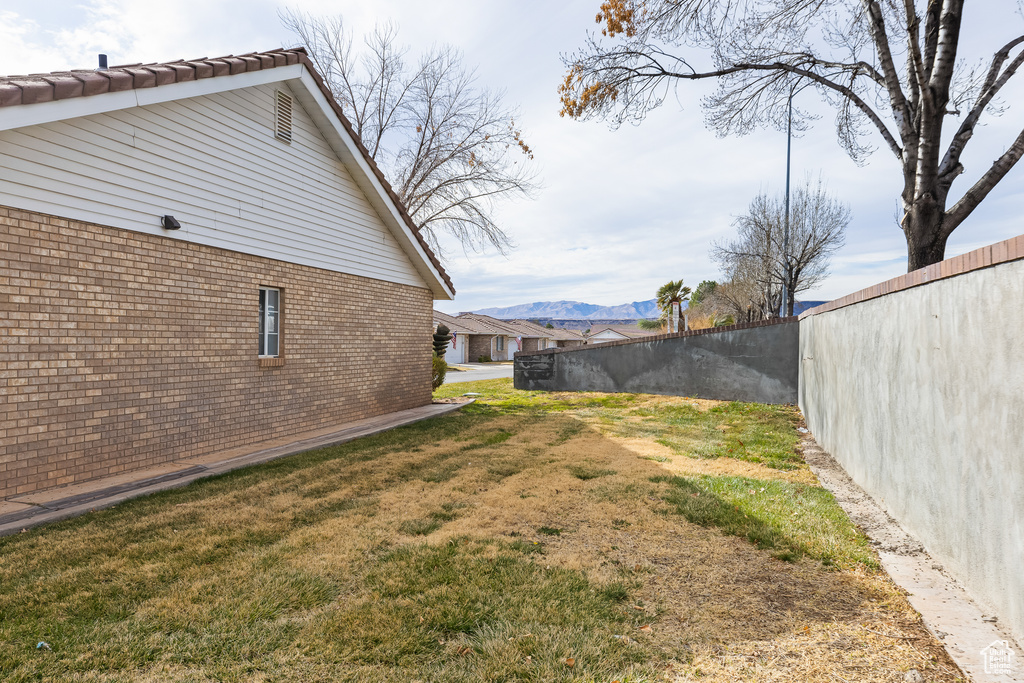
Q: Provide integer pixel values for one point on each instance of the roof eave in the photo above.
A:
(312, 94)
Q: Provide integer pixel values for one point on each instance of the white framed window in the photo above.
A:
(270, 322)
(500, 344)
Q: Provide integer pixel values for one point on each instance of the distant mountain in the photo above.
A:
(575, 310)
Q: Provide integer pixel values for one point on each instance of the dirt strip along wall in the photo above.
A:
(746, 362)
(916, 386)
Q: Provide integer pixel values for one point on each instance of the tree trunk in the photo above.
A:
(926, 239)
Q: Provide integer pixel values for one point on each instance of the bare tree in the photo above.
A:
(759, 256)
(885, 65)
(449, 148)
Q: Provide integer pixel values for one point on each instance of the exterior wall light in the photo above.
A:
(169, 223)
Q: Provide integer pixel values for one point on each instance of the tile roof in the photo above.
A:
(629, 331)
(476, 323)
(563, 334)
(493, 325)
(63, 85)
(524, 328)
(535, 330)
(462, 325)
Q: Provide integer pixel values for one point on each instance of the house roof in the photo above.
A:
(524, 328)
(491, 325)
(462, 325)
(546, 332)
(36, 89)
(627, 331)
(476, 323)
(562, 334)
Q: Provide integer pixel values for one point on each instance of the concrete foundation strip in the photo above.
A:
(959, 623)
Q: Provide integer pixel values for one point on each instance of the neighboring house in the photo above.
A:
(529, 336)
(458, 347)
(564, 338)
(538, 337)
(494, 338)
(525, 336)
(610, 333)
(290, 291)
(474, 339)
(476, 335)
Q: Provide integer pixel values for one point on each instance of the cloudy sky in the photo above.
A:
(620, 212)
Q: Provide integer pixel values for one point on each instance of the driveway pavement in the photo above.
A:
(478, 371)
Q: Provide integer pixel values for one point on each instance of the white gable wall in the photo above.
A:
(606, 336)
(212, 162)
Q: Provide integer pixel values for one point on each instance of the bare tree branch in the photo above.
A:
(450, 149)
(759, 50)
(758, 254)
(1000, 167)
(994, 82)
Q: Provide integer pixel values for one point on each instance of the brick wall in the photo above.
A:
(122, 350)
(530, 344)
(479, 345)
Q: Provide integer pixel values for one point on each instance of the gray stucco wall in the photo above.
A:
(919, 394)
(757, 363)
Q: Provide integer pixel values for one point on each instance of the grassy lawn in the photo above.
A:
(527, 537)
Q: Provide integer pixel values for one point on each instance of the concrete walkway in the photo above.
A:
(32, 509)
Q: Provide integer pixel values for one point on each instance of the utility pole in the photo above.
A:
(785, 231)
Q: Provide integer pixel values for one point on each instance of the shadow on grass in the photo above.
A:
(761, 511)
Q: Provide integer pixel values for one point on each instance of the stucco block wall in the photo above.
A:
(919, 394)
(123, 350)
(748, 362)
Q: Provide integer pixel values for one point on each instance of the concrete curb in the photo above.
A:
(952, 616)
(101, 497)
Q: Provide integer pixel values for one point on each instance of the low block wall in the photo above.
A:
(916, 386)
(748, 362)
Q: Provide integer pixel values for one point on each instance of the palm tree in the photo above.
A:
(672, 292)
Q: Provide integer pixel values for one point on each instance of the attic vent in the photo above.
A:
(283, 116)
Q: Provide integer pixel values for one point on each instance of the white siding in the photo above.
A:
(502, 353)
(214, 164)
(606, 336)
(458, 354)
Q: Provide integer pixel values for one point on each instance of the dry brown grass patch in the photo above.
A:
(311, 569)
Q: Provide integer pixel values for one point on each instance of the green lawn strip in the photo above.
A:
(466, 610)
(586, 472)
(499, 393)
(495, 604)
(754, 432)
(760, 433)
(791, 520)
